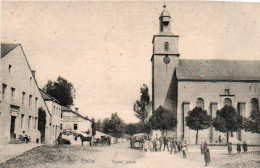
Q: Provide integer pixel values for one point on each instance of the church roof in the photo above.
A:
(165, 13)
(218, 70)
(47, 97)
(6, 48)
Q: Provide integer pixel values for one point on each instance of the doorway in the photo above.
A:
(12, 128)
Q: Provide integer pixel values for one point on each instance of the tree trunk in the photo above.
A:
(197, 133)
(227, 137)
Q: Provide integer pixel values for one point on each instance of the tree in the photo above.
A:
(93, 126)
(114, 126)
(227, 120)
(41, 123)
(62, 90)
(132, 128)
(163, 119)
(198, 119)
(143, 106)
(99, 125)
(252, 123)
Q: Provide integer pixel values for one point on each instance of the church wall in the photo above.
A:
(213, 92)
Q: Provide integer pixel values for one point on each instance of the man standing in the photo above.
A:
(173, 146)
(229, 147)
(238, 148)
(165, 143)
(245, 146)
(201, 148)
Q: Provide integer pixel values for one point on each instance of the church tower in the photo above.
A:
(164, 60)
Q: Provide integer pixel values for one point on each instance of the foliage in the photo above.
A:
(99, 125)
(93, 126)
(132, 128)
(41, 119)
(198, 119)
(227, 120)
(163, 119)
(252, 123)
(114, 126)
(62, 90)
(143, 106)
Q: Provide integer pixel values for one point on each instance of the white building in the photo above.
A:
(72, 120)
(54, 107)
(21, 100)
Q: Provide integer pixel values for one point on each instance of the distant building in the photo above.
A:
(54, 106)
(182, 84)
(21, 100)
(73, 121)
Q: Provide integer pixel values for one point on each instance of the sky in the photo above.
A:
(104, 48)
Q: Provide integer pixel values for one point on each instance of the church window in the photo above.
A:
(254, 104)
(3, 90)
(166, 46)
(200, 103)
(10, 69)
(227, 102)
(75, 126)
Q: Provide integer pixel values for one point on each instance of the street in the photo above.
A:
(120, 156)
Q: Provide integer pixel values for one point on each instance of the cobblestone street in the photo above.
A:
(121, 156)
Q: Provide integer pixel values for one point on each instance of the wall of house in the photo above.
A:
(68, 121)
(55, 110)
(213, 94)
(20, 99)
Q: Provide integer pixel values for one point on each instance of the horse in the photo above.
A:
(138, 138)
(83, 138)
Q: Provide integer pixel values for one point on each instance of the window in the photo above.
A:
(12, 94)
(29, 122)
(23, 96)
(54, 108)
(10, 69)
(35, 123)
(3, 90)
(227, 91)
(75, 126)
(200, 103)
(30, 80)
(166, 46)
(36, 100)
(227, 102)
(254, 104)
(61, 115)
(22, 117)
(30, 100)
(60, 126)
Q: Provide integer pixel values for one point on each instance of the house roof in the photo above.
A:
(47, 97)
(66, 109)
(6, 48)
(218, 70)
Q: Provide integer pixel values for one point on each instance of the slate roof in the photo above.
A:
(48, 97)
(6, 48)
(218, 70)
(66, 109)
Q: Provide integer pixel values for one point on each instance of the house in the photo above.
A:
(74, 122)
(54, 106)
(23, 109)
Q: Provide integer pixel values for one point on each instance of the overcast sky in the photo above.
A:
(104, 48)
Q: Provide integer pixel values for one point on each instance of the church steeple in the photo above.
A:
(165, 22)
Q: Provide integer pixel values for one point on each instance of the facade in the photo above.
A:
(73, 121)
(54, 107)
(182, 84)
(21, 100)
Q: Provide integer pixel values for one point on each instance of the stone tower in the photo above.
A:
(164, 60)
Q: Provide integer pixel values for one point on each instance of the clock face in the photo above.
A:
(166, 60)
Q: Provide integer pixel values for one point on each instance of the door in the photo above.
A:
(12, 135)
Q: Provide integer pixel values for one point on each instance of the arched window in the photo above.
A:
(200, 103)
(254, 104)
(228, 102)
(166, 46)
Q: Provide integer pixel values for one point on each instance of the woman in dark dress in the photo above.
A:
(206, 156)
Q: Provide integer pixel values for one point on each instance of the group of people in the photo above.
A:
(158, 144)
(238, 147)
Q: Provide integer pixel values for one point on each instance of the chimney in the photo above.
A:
(77, 109)
(33, 73)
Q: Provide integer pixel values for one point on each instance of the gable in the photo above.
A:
(218, 70)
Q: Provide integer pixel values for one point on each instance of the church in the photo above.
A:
(182, 84)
